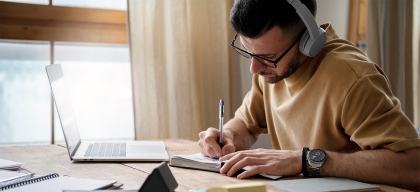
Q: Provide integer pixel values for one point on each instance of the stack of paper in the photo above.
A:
(6, 164)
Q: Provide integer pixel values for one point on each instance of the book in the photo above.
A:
(52, 183)
(198, 161)
(9, 165)
(322, 184)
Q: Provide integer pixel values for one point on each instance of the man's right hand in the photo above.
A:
(209, 146)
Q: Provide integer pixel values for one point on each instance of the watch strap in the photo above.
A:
(313, 172)
(304, 165)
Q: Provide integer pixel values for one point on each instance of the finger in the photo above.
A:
(210, 152)
(245, 152)
(210, 142)
(253, 171)
(246, 161)
(233, 159)
(227, 157)
(228, 148)
(202, 134)
(205, 150)
(202, 150)
(251, 153)
(204, 153)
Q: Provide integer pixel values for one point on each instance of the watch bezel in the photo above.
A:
(313, 153)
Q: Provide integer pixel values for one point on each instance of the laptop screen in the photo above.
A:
(64, 108)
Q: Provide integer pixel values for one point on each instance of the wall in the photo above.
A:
(335, 12)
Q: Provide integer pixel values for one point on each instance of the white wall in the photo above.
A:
(335, 12)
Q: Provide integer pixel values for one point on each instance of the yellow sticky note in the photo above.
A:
(242, 187)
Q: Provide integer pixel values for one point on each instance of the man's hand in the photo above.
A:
(272, 162)
(209, 146)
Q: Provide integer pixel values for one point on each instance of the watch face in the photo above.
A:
(317, 155)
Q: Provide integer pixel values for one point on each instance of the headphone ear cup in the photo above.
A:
(303, 41)
(311, 47)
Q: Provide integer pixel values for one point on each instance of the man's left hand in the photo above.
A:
(272, 162)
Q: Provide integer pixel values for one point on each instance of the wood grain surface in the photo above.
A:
(47, 159)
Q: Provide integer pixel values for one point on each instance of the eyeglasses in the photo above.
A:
(267, 62)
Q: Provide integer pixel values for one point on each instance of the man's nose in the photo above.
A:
(256, 66)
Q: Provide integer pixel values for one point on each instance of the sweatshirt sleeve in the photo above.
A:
(373, 118)
(251, 112)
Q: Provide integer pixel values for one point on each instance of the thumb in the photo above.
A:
(228, 148)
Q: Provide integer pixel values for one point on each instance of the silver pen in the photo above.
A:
(17, 179)
(221, 111)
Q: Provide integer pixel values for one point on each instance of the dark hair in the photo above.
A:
(253, 18)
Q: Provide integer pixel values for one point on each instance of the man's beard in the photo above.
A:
(291, 67)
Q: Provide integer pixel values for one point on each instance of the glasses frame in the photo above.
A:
(258, 57)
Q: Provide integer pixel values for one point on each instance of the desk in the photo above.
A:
(47, 159)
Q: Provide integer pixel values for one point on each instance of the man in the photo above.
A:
(337, 103)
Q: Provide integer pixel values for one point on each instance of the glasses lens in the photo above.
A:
(265, 62)
(243, 53)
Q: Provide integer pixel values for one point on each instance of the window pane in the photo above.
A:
(98, 79)
(101, 4)
(43, 2)
(25, 96)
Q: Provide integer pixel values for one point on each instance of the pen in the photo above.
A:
(5, 182)
(221, 111)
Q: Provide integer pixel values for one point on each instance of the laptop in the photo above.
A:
(92, 150)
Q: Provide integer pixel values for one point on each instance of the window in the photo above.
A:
(98, 79)
(44, 2)
(89, 43)
(25, 97)
(101, 4)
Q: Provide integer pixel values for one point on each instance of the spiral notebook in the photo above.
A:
(52, 183)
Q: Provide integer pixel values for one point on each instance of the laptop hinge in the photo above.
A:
(75, 149)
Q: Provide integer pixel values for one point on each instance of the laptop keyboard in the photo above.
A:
(106, 150)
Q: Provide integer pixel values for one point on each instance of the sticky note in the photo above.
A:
(242, 187)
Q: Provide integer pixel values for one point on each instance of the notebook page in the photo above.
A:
(60, 183)
(9, 174)
(199, 158)
(6, 164)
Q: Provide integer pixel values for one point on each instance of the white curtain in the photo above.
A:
(182, 65)
(393, 43)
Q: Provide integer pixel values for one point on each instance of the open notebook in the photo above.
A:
(51, 183)
(6, 164)
(198, 161)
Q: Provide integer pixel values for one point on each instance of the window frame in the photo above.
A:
(34, 22)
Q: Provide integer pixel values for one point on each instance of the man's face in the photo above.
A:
(270, 46)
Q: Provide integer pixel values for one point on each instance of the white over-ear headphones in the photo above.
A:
(314, 37)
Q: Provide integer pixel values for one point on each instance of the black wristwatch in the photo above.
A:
(316, 158)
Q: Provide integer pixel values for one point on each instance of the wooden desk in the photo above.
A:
(47, 159)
